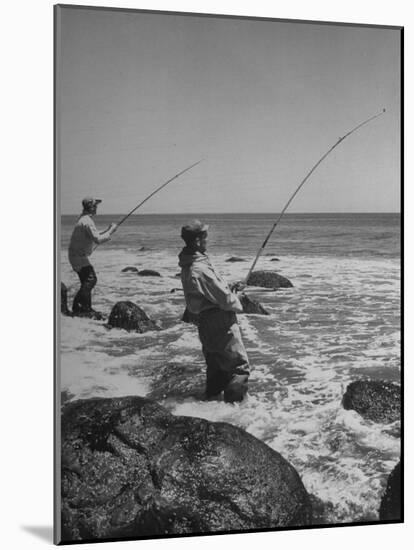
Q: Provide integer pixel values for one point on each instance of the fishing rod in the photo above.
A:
(156, 191)
(121, 221)
(340, 140)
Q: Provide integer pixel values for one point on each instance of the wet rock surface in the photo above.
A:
(148, 273)
(390, 508)
(130, 269)
(131, 469)
(64, 300)
(129, 316)
(374, 400)
(251, 306)
(268, 279)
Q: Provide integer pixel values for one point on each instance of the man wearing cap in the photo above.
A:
(84, 237)
(208, 296)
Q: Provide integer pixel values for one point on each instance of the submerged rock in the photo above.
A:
(390, 508)
(148, 273)
(144, 249)
(189, 317)
(251, 306)
(131, 469)
(268, 279)
(235, 259)
(378, 401)
(179, 381)
(129, 316)
(64, 300)
(130, 269)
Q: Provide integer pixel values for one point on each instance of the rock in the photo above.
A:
(235, 259)
(130, 269)
(390, 508)
(131, 469)
(252, 306)
(64, 300)
(144, 249)
(275, 260)
(148, 273)
(179, 381)
(374, 400)
(177, 275)
(322, 512)
(268, 279)
(129, 316)
(189, 317)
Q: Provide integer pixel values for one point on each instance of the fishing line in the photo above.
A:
(124, 218)
(340, 140)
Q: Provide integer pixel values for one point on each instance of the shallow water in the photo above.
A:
(340, 322)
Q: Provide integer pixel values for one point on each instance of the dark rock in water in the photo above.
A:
(129, 316)
(252, 306)
(177, 275)
(378, 401)
(235, 259)
(130, 269)
(131, 469)
(268, 279)
(189, 317)
(144, 249)
(275, 260)
(64, 300)
(391, 501)
(148, 273)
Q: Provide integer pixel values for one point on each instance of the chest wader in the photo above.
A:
(225, 354)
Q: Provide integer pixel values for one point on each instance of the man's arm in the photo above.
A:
(97, 237)
(218, 293)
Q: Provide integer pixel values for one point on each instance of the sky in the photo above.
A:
(141, 96)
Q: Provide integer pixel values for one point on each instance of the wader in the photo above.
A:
(225, 355)
(82, 302)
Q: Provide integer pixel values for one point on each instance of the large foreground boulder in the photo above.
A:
(129, 316)
(374, 400)
(390, 508)
(131, 469)
(268, 279)
(64, 300)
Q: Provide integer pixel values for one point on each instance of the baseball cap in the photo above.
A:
(193, 228)
(90, 201)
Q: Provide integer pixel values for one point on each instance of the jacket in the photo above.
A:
(84, 236)
(203, 288)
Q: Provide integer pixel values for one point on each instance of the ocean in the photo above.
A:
(339, 323)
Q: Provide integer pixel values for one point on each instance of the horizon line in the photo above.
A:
(233, 213)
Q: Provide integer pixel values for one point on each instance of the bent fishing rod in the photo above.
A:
(124, 218)
(340, 140)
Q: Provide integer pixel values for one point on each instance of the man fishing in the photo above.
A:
(208, 296)
(84, 237)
